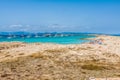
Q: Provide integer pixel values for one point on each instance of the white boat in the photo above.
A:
(10, 36)
(36, 35)
(28, 36)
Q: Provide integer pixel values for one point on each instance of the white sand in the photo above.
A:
(107, 53)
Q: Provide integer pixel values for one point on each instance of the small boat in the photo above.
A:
(36, 35)
(28, 36)
(9, 36)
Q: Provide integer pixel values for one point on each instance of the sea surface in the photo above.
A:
(74, 39)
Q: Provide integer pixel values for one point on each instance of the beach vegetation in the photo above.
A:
(61, 50)
(92, 67)
(36, 55)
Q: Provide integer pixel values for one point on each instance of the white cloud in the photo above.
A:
(87, 27)
(16, 26)
(56, 26)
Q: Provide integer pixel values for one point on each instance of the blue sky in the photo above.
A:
(101, 16)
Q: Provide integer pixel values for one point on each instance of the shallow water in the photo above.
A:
(60, 40)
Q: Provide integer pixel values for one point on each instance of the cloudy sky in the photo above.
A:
(102, 16)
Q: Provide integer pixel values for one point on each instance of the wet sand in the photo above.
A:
(99, 58)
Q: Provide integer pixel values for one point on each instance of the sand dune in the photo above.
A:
(38, 61)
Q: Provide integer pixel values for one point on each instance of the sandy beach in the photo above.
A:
(99, 58)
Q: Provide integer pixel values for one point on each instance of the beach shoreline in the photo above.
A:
(39, 61)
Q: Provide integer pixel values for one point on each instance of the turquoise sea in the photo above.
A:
(74, 39)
